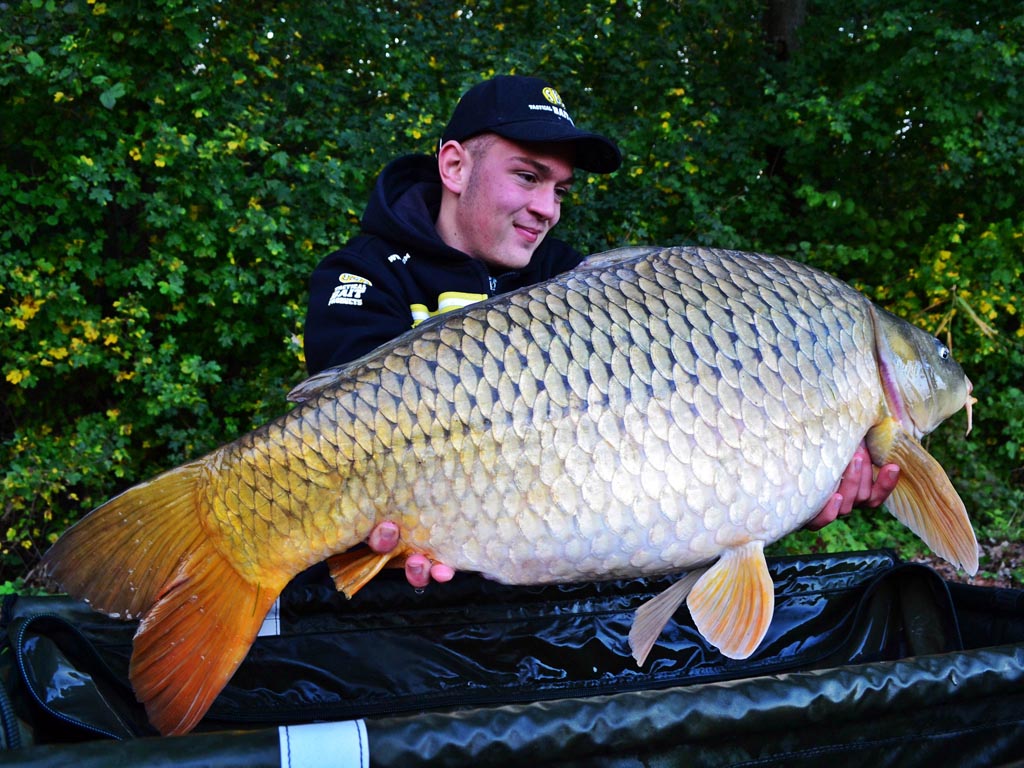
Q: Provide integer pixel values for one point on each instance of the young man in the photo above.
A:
(441, 233)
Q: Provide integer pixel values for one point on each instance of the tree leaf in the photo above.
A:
(110, 96)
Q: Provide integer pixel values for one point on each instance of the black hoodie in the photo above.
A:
(398, 271)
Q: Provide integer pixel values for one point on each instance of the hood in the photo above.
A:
(404, 206)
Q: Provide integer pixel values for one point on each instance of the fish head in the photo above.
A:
(922, 382)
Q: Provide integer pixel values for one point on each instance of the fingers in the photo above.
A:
(828, 513)
(441, 573)
(884, 484)
(420, 571)
(859, 486)
(384, 537)
(855, 484)
(417, 570)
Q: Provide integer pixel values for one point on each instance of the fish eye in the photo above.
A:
(943, 350)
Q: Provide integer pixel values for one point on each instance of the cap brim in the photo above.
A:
(594, 152)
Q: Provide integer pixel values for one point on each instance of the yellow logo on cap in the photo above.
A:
(552, 96)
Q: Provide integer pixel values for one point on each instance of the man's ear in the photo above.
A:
(453, 163)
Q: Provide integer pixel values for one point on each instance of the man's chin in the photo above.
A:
(512, 258)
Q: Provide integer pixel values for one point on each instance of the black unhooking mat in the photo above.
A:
(869, 661)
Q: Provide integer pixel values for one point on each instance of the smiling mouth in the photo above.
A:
(530, 234)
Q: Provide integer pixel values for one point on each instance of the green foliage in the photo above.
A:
(171, 173)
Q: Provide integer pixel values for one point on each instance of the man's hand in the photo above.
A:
(419, 570)
(858, 486)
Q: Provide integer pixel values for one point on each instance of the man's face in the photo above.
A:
(511, 199)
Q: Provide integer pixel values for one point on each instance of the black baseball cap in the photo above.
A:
(528, 109)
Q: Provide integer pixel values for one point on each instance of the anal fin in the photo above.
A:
(351, 571)
(652, 616)
(733, 603)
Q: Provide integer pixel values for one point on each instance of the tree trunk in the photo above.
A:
(782, 19)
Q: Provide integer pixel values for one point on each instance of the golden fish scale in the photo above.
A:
(623, 421)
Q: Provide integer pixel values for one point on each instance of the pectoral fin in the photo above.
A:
(733, 603)
(924, 500)
(652, 616)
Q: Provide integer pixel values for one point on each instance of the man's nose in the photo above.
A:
(545, 204)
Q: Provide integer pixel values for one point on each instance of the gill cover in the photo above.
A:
(922, 382)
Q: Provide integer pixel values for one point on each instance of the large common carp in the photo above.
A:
(652, 411)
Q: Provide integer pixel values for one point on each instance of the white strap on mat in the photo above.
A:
(271, 626)
(339, 745)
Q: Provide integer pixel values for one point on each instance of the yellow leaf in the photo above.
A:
(30, 306)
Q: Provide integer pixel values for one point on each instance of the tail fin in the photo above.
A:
(120, 556)
(192, 641)
(146, 553)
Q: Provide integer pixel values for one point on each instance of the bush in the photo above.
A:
(171, 174)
